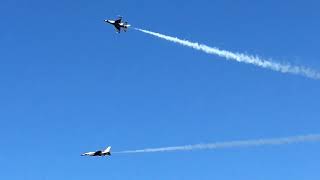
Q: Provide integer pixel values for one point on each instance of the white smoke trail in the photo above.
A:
(233, 144)
(240, 57)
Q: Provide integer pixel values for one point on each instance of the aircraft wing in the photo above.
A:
(117, 29)
(118, 21)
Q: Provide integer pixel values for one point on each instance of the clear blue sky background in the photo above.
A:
(70, 84)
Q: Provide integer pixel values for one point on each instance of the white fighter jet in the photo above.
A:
(118, 24)
(106, 152)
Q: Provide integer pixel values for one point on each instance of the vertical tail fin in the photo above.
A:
(108, 150)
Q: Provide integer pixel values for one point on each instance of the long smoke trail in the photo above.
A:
(233, 144)
(240, 57)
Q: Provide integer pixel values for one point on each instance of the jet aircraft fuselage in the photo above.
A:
(118, 24)
(106, 152)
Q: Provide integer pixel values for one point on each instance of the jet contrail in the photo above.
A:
(233, 144)
(240, 57)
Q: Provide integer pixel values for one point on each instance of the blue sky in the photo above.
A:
(70, 84)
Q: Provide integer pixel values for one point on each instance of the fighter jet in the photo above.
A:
(118, 24)
(106, 152)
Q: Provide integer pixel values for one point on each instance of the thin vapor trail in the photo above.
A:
(240, 57)
(233, 144)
